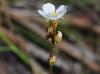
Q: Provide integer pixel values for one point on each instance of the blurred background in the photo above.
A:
(24, 49)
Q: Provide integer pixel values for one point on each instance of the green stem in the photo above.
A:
(51, 54)
(52, 51)
(50, 68)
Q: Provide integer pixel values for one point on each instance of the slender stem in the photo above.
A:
(50, 69)
(51, 54)
(52, 49)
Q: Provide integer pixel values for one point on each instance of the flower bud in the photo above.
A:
(58, 37)
(52, 60)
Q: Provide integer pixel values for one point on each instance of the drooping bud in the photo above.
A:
(58, 37)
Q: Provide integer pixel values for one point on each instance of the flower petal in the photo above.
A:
(48, 8)
(40, 12)
(43, 14)
(61, 11)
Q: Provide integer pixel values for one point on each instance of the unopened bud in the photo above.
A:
(58, 37)
(52, 60)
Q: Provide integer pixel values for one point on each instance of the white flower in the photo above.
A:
(49, 12)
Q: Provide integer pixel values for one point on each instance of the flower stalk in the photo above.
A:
(52, 34)
(50, 13)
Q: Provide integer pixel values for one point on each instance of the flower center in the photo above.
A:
(53, 13)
